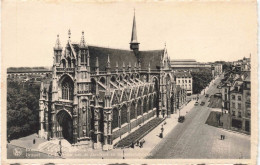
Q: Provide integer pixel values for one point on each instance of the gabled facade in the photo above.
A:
(98, 94)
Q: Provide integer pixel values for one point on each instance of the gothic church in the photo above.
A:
(98, 94)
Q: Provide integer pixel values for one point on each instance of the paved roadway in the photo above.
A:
(195, 139)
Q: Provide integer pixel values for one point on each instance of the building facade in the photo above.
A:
(187, 65)
(184, 80)
(236, 99)
(216, 69)
(98, 94)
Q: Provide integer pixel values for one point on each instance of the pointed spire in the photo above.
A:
(108, 61)
(139, 65)
(123, 66)
(116, 67)
(82, 41)
(69, 34)
(134, 31)
(97, 64)
(42, 86)
(57, 45)
(134, 44)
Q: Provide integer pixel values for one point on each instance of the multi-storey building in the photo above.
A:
(188, 65)
(236, 94)
(98, 94)
(184, 80)
(216, 69)
(236, 98)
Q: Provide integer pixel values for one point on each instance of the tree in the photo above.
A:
(201, 79)
(22, 108)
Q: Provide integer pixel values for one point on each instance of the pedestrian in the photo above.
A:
(141, 144)
(221, 137)
(132, 145)
(33, 141)
(162, 129)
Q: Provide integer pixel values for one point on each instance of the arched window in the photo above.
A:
(132, 111)
(69, 63)
(145, 105)
(123, 115)
(82, 57)
(93, 86)
(64, 63)
(67, 89)
(139, 110)
(115, 118)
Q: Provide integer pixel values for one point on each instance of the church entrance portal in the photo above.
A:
(65, 125)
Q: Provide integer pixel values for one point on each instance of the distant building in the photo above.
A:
(216, 69)
(188, 64)
(184, 80)
(14, 72)
(243, 64)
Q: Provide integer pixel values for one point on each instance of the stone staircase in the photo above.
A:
(52, 147)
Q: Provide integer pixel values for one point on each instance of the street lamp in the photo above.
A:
(60, 152)
(178, 99)
(123, 152)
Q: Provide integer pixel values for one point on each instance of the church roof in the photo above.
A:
(118, 56)
(153, 57)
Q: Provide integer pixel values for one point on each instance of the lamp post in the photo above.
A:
(60, 152)
(123, 152)
(178, 99)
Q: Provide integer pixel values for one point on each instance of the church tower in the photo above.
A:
(134, 44)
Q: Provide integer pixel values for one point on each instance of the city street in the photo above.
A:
(195, 139)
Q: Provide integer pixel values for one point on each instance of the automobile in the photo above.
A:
(181, 119)
(202, 103)
(207, 95)
(197, 103)
(219, 87)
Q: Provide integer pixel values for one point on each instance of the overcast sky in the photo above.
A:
(205, 31)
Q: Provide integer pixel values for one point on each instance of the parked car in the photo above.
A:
(202, 103)
(197, 103)
(207, 95)
(219, 87)
(181, 119)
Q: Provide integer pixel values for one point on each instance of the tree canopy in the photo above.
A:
(22, 108)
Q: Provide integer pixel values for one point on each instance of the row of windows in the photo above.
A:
(238, 105)
(179, 81)
(239, 114)
(239, 98)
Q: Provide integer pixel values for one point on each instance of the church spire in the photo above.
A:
(82, 41)
(69, 34)
(108, 62)
(134, 45)
(57, 45)
(97, 66)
